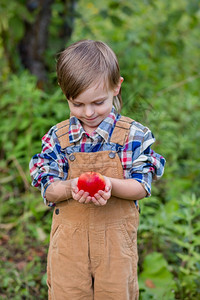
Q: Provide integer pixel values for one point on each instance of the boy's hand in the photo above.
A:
(102, 197)
(80, 196)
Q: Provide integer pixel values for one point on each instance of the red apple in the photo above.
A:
(91, 182)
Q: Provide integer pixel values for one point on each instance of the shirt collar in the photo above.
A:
(104, 129)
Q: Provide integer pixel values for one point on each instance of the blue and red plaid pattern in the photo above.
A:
(138, 160)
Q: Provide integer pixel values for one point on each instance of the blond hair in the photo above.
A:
(84, 63)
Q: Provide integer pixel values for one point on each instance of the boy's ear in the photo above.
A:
(118, 87)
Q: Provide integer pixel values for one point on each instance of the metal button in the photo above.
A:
(72, 157)
(112, 154)
(57, 211)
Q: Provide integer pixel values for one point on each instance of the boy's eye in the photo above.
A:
(80, 104)
(99, 102)
(77, 104)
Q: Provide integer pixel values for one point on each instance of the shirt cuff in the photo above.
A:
(145, 180)
(43, 191)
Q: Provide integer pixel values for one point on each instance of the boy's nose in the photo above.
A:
(89, 111)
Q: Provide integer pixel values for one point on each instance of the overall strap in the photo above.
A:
(63, 133)
(121, 130)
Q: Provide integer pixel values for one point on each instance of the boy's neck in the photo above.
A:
(89, 130)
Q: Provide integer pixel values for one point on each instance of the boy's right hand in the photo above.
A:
(80, 196)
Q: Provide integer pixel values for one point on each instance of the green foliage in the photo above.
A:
(22, 283)
(157, 44)
(24, 250)
(26, 115)
(12, 16)
(156, 277)
(173, 230)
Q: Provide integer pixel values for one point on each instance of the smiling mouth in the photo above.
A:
(90, 119)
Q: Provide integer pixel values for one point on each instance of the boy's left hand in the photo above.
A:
(102, 197)
(80, 196)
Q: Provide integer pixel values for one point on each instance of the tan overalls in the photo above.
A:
(93, 249)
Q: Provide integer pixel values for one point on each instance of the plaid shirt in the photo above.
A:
(138, 160)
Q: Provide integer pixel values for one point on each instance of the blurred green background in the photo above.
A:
(158, 47)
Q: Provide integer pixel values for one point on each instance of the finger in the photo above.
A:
(104, 195)
(84, 197)
(75, 189)
(107, 181)
(95, 201)
(100, 200)
(88, 200)
(77, 196)
(107, 188)
(101, 193)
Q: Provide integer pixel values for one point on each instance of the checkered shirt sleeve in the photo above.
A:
(139, 161)
(50, 165)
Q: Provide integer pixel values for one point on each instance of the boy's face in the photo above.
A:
(92, 106)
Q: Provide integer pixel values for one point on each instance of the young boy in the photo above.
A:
(93, 245)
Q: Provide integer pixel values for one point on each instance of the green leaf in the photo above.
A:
(116, 20)
(17, 28)
(156, 277)
(127, 10)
